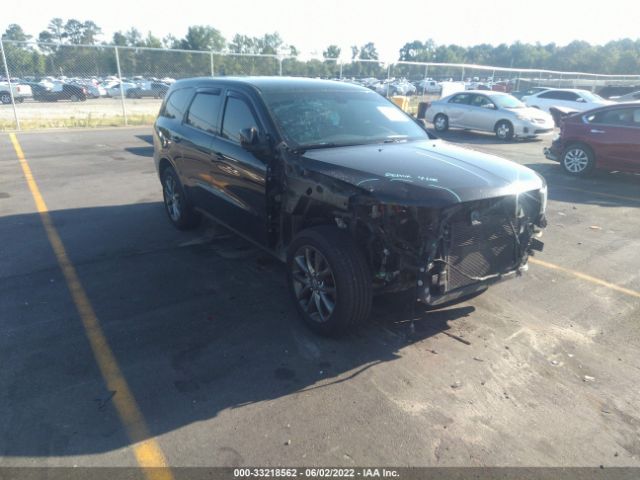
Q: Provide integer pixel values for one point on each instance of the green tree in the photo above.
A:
(74, 31)
(332, 51)
(200, 37)
(368, 52)
(90, 32)
(15, 32)
(56, 27)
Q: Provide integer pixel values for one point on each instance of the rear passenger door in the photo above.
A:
(457, 110)
(201, 125)
(237, 180)
(169, 129)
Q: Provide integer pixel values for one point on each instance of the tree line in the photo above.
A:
(55, 55)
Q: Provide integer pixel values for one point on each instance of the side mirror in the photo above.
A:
(249, 137)
(254, 143)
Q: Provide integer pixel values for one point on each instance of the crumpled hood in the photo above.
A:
(424, 173)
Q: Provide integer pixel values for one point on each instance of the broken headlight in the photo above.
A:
(544, 194)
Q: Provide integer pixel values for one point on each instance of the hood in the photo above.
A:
(529, 112)
(430, 173)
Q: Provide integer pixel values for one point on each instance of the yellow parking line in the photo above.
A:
(586, 277)
(611, 195)
(146, 449)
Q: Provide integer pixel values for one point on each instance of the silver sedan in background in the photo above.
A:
(496, 112)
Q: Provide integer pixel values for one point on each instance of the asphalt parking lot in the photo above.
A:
(542, 370)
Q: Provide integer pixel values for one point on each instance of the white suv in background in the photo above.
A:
(568, 98)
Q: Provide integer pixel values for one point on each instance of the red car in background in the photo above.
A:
(606, 137)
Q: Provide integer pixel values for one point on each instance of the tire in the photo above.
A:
(5, 98)
(578, 160)
(176, 204)
(340, 298)
(504, 130)
(19, 100)
(74, 98)
(441, 122)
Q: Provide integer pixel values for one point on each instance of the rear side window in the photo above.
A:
(237, 116)
(627, 117)
(551, 94)
(461, 98)
(203, 112)
(560, 95)
(177, 104)
(570, 96)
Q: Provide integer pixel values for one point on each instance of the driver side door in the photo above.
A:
(482, 113)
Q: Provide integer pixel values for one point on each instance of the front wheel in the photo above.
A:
(504, 130)
(441, 122)
(179, 210)
(578, 160)
(329, 280)
(5, 98)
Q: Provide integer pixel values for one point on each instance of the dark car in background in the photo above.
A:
(155, 90)
(606, 138)
(66, 91)
(350, 191)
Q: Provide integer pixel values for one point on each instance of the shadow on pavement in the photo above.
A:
(199, 323)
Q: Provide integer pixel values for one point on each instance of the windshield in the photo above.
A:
(507, 101)
(331, 118)
(591, 97)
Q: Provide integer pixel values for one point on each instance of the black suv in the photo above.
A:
(352, 193)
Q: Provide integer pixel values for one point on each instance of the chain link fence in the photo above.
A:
(59, 85)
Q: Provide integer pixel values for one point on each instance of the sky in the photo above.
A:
(313, 25)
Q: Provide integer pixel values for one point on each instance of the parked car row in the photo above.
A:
(51, 89)
(594, 132)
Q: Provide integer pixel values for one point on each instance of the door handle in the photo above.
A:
(593, 130)
(176, 138)
(218, 155)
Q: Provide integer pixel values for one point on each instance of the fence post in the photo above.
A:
(462, 75)
(340, 61)
(388, 78)
(424, 83)
(124, 108)
(280, 66)
(6, 71)
(213, 73)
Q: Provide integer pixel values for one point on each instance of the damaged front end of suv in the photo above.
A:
(446, 235)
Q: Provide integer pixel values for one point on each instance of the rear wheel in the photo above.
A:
(504, 130)
(441, 122)
(5, 98)
(329, 280)
(74, 98)
(179, 210)
(578, 160)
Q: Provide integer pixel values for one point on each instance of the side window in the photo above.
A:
(569, 96)
(203, 112)
(462, 98)
(177, 104)
(481, 101)
(551, 94)
(237, 116)
(620, 116)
